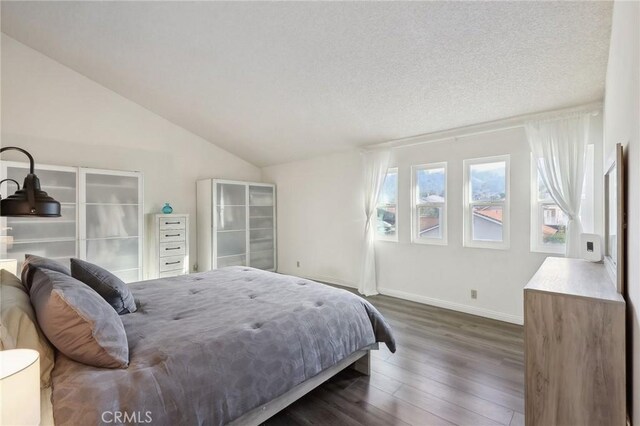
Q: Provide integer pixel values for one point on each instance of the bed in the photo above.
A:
(233, 345)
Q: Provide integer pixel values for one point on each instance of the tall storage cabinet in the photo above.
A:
(101, 219)
(55, 238)
(236, 224)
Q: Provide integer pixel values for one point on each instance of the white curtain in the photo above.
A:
(375, 165)
(559, 149)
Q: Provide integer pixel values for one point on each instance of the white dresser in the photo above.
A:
(170, 245)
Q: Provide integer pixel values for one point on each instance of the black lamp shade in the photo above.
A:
(30, 201)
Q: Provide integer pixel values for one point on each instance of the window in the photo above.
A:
(429, 203)
(387, 208)
(548, 221)
(486, 202)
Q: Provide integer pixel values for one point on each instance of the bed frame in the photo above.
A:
(359, 361)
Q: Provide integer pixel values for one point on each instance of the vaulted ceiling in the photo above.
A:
(279, 81)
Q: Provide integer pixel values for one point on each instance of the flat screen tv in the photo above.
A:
(615, 225)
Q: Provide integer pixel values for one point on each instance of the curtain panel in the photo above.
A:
(559, 147)
(375, 165)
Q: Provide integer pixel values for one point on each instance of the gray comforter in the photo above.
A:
(206, 348)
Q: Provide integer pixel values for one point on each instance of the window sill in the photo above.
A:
(487, 245)
(549, 250)
(430, 242)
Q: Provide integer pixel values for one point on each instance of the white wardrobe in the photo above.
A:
(236, 224)
(101, 221)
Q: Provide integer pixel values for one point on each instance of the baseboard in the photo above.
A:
(487, 313)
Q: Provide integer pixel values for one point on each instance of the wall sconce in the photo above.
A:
(30, 201)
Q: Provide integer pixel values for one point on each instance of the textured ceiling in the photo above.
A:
(276, 82)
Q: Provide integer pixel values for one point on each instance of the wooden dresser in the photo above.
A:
(574, 324)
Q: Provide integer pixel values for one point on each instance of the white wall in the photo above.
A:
(63, 118)
(320, 224)
(320, 218)
(622, 125)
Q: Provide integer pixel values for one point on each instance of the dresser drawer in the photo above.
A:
(172, 249)
(172, 223)
(171, 263)
(172, 235)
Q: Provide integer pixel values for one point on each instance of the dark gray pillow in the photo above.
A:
(31, 261)
(78, 321)
(107, 285)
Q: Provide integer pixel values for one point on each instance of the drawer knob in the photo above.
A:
(171, 235)
(172, 248)
(172, 263)
(172, 223)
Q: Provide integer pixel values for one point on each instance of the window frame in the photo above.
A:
(537, 206)
(378, 237)
(468, 205)
(415, 228)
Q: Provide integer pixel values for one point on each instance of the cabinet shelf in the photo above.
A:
(111, 238)
(41, 221)
(44, 240)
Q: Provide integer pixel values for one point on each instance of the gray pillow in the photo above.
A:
(31, 261)
(107, 285)
(77, 321)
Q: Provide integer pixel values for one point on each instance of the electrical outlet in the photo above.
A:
(474, 294)
(195, 267)
(298, 263)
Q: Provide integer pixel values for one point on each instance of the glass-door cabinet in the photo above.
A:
(55, 238)
(240, 218)
(111, 221)
(101, 222)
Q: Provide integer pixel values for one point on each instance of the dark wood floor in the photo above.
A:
(450, 368)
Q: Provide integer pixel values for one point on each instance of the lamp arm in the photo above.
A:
(15, 148)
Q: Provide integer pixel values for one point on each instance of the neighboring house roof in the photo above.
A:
(490, 213)
(428, 223)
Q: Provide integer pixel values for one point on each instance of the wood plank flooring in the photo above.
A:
(450, 368)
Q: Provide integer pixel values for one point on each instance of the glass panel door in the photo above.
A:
(262, 227)
(111, 221)
(231, 224)
(55, 238)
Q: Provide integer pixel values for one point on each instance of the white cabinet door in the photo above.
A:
(242, 223)
(111, 221)
(230, 223)
(262, 226)
(55, 238)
